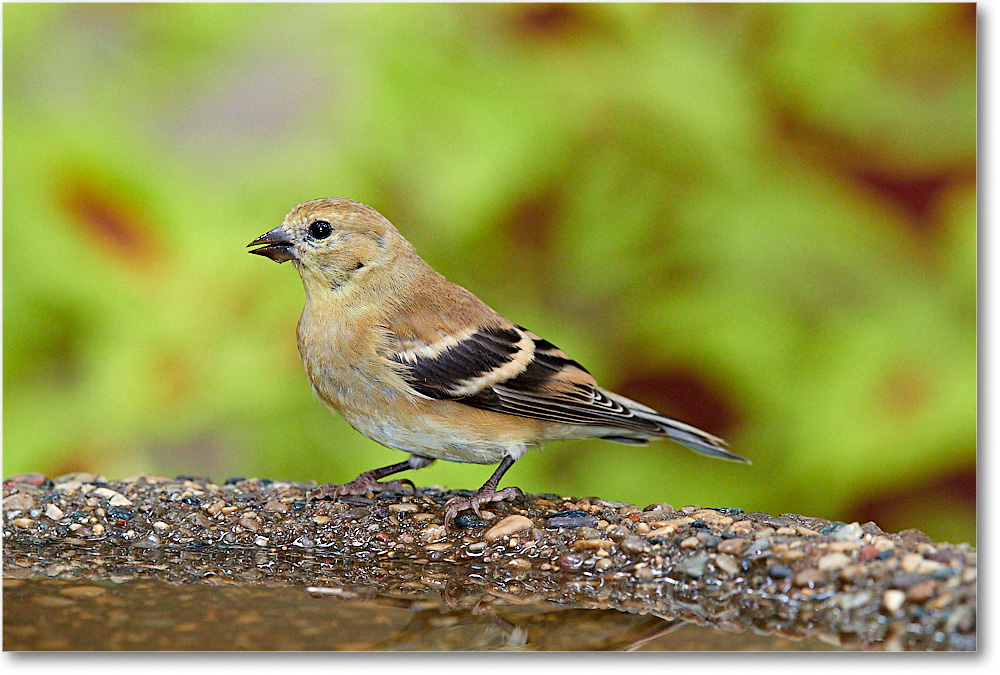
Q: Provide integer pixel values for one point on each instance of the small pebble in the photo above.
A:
(742, 527)
(884, 543)
(732, 546)
(33, 479)
(468, 521)
(633, 544)
(509, 525)
(664, 531)
(831, 528)
(808, 578)
(920, 592)
(709, 540)
(403, 508)
(272, 505)
(910, 561)
(617, 532)
(18, 502)
(833, 561)
(644, 573)
(727, 564)
(930, 567)
(23, 523)
(868, 553)
(107, 493)
(433, 533)
(693, 566)
(569, 513)
(779, 571)
(848, 532)
(571, 522)
(691, 542)
(842, 546)
(570, 561)
(712, 516)
(119, 500)
(54, 512)
(792, 554)
(591, 544)
(893, 599)
(661, 507)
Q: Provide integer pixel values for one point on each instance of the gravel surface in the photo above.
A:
(849, 585)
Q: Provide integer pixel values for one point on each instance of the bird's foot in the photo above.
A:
(361, 485)
(456, 505)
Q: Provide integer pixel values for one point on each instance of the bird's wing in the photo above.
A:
(455, 347)
(508, 369)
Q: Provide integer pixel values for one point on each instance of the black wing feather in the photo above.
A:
(484, 351)
(528, 394)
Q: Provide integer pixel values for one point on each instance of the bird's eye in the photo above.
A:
(320, 229)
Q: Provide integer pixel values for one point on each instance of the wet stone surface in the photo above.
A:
(136, 559)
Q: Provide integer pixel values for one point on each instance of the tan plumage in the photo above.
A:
(420, 364)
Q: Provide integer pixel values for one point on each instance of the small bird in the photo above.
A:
(420, 364)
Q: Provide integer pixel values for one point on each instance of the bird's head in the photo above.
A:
(331, 242)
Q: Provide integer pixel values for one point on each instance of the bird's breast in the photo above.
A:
(341, 360)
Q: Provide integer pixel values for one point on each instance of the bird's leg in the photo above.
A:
(487, 493)
(369, 480)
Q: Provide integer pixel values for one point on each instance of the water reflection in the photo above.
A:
(139, 612)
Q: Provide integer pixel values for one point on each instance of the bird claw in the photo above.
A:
(456, 505)
(361, 485)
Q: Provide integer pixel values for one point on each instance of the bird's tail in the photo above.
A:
(690, 437)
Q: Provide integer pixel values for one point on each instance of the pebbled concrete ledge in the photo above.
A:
(847, 584)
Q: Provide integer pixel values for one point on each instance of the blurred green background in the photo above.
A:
(759, 219)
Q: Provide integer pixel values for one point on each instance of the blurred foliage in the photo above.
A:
(759, 218)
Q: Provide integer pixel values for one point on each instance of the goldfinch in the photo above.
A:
(419, 364)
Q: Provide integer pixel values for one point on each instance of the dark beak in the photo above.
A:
(276, 245)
